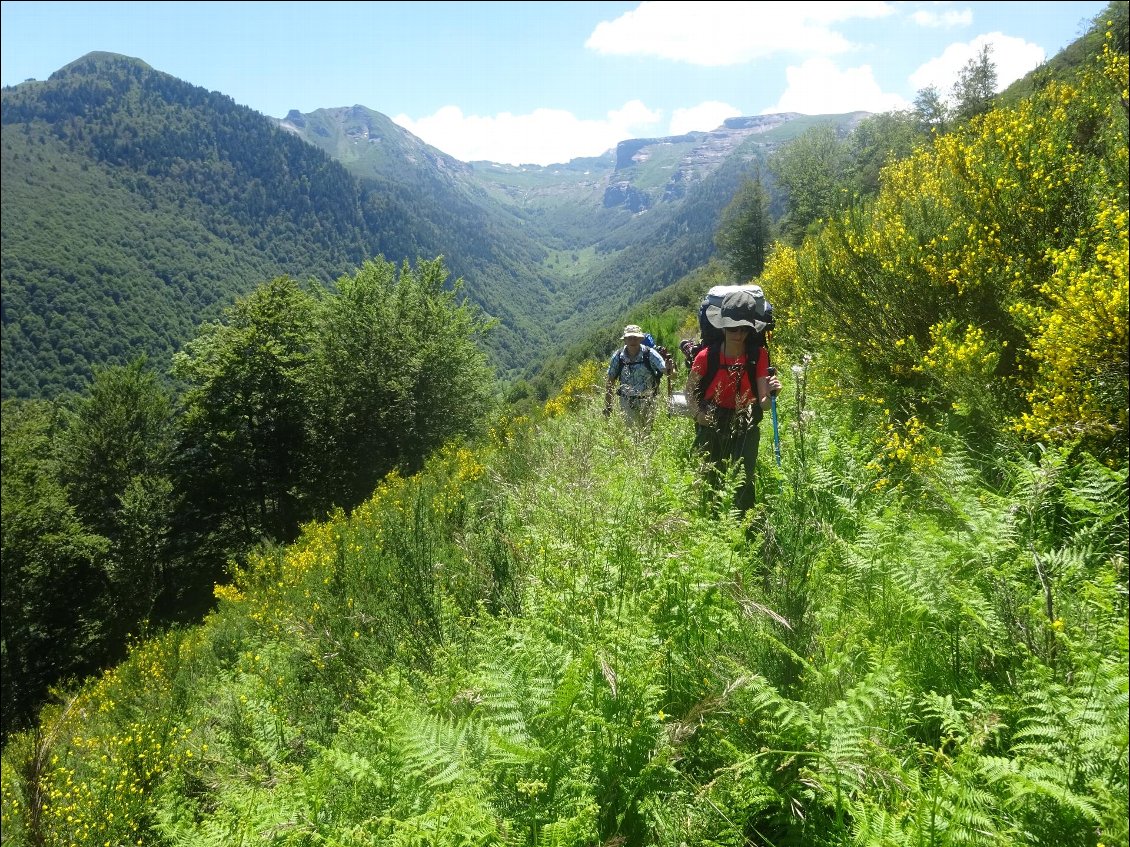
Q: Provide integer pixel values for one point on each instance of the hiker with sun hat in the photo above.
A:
(635, 373)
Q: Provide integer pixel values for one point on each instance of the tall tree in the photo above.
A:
(930, 110)
(116, 465)
(246, 407)
(52, 621)
(745, 230)
(812, 170)
(975, 86)
(397, 371)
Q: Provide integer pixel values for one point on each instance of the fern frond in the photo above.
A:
(1035, 784)
(436, 750)
(874, 826)
(789, 723)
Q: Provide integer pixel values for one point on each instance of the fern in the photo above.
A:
(437, 751)
(873, 826)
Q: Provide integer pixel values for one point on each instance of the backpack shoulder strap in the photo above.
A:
(752, 355)
(713, 362)
(619, 362)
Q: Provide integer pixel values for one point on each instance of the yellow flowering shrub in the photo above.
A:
(576, 387)
(988, 275)
(1080, 341)
(904, 452)
(961, 363)
(103, 751)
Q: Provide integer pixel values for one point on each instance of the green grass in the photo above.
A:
(573, 263)
(557, 637)
(652, 174)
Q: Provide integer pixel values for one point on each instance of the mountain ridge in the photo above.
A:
(202, 199)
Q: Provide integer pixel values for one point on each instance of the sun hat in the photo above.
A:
(632, 331)
(717, 295)
(739, 308)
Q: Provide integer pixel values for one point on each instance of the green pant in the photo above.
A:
(731, 444)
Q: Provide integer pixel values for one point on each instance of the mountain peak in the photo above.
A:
(100, 60)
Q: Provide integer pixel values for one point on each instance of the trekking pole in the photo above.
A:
(776, 430)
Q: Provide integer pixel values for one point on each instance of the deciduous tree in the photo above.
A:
(812, 171)
(396, 371)
(246, 411)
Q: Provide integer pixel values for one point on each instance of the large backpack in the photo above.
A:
(668, 359)
(712, 304)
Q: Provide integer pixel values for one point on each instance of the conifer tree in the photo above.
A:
(116, 465)
(745, 229)
(975, 86)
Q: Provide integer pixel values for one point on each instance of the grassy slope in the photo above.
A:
(546, 639)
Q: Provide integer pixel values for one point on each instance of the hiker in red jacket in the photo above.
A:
(728, 389)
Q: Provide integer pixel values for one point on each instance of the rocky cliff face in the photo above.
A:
(701, 154)
(368, 142)
(622, 194)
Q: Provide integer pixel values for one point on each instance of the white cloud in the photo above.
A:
(948, 19)
(1013, 57)
(819, 87)
(701, 118)
(542, 137)
(728, 33)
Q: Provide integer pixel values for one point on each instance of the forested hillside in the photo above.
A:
(137, 206)
(122, 507)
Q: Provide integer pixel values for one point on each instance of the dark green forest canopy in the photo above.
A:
(136, 206)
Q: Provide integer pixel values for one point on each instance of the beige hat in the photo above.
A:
(632, 331)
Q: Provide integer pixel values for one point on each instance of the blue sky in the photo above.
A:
(545, 82)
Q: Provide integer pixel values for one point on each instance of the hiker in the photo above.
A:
(728, 388)
(639, 370)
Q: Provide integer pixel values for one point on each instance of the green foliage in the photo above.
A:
(930, 110)
(54, 618)
(302, 401)
(745, 229)
(1115, 18)
(123, 512)
(246, 410)
(878, 141)
(398, 371)
(868, 669)
(976, 83)
(137, 206)
(813, 172)
(117, 465)
(544, 634)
